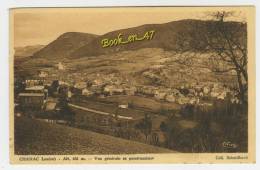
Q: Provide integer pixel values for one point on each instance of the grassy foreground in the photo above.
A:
(33, 137)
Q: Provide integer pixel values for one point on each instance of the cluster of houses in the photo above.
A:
(113, 84)
(186, 95)
(116, 84)
(181, 95)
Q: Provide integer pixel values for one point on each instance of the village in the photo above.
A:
(111, 104)
(115, 84)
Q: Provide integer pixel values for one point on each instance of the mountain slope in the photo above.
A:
(176, 35)
(65, 44)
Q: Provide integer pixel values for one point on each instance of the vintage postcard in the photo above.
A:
(132, 85)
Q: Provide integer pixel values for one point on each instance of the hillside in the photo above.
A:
(176, 35)
(64, 45)
(146, 66)
(164, 37)
(40, 138)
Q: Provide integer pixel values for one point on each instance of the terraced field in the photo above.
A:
(33, 137)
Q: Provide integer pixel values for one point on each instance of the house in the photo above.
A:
(43, 74)
(87, 92)
(50, 106)
(214, 94)
(130, 90)
(32, 82)
(222, 95)
(113, 89)
(234, 100)
(109, 89)
(60, 66)
(31, 101)
(80, 85)
(192, 92)
(176, 92)
(160, 95)
(123, 105)
(183, 100)
(198, 87)
(35, 89)
(206, 90)
(194, 100)
(98, 82)
(218, 92)
(149, 90)
(170, 98)
(146, 90)
(69, 94)
(96, 89)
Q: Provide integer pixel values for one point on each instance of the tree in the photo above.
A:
(163, 127)
(54, 86)
(155, 139)
(65, 111)
(228, 42)
(19, 85)
(145, 125)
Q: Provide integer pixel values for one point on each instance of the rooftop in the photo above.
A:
(31, 94)
(35, 88)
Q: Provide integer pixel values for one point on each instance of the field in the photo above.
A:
(110, 108)
(40, 138)
(140, 106)
(143, 102)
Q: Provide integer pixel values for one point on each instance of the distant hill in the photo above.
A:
(167, 36)
(164, 37)
(65, 44)
(176, 35)
(35, 137)
(27, 51)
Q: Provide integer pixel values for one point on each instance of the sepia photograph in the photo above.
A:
(169, 84)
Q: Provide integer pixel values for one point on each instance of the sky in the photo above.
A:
(40, 26)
